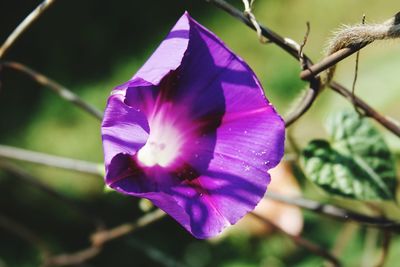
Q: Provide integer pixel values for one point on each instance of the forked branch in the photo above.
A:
(292, 48)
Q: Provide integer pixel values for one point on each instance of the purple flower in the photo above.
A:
(193, 132)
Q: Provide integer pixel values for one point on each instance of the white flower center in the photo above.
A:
(163, 145)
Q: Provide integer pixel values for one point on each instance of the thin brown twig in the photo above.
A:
(92, 168)
(350, 40)
(104, 236)
(367, 109)
(75, 258)
(62, 91)
(353, 87)
(305, 103)
(309, 95)
(248, 5)
(387, 237)
(34, 15)
(330, 61)
(99, 238)
(288, 46)
(369, 247)
(303, 44)
(310, 246)
(336, 212)
(345, 235)
(50, 160)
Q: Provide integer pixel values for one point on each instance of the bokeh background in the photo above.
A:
(91, 46)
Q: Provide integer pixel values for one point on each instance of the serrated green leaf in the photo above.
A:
(356, 163)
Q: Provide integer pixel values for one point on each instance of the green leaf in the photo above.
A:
(356, 163)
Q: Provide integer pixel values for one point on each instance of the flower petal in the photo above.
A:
(124, 129)
(168, 55)
(249, 135)
(196, 99)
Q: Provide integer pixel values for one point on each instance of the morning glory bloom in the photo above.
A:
(193, 132)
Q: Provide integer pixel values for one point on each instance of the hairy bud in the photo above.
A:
(361, 35)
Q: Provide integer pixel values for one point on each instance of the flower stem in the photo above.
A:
(50, 160)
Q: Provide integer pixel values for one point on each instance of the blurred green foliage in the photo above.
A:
(91, 46)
